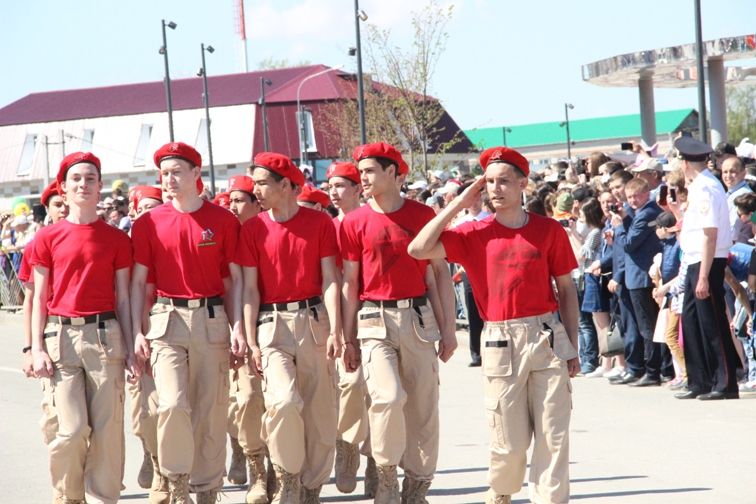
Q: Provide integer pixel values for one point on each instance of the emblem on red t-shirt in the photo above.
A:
(207, 238)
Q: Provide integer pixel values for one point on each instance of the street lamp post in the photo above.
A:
(360, 15)
(700, 70)
(300, 111)
(206, 102)
(504, 131)
(566, 124)
(168, 98)
(266, 140)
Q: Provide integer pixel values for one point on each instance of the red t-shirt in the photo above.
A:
(82, 260)
(510, 270)
(379, 243)
(287, 254)
(337, 227)
(188, 252)
(24, 269)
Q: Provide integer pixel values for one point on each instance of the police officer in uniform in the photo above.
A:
(710, 356)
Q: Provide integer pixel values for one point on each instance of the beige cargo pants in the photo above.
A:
(353, 420)
(299, 425)
(190, 362)
(528, 396)
(144, 406)
(82, 405)
(245, 410)
(401, 373)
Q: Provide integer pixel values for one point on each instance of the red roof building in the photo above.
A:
(124, 124)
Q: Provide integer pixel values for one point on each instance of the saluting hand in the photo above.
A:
(470, 195)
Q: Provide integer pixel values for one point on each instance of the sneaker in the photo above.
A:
(596, 373)
(616, 371)
(748, 386)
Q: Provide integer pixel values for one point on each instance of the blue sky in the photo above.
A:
(506, 61)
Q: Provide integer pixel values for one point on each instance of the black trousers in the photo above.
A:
(475, 324)
(710, 356)
(646, 313)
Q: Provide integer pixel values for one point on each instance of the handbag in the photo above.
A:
(610, 342)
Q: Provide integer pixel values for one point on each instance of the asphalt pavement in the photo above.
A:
(628, 445)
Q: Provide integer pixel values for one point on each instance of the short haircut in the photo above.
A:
(746, 202)
(536, 206)
(636, 185)
(624, 176)
(597, 159)
(385, 163)
(594, 216)
(736, 161)
(613, 166)
(275, 176)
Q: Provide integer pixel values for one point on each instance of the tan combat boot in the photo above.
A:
(207, 496)
(387, 491)
(311, 496)
(159, 491)
(179, 489)
(414, 490)
(371, 478)
(347, 463)
(237, 473)
(145, 472)
(287, 488)
(492, 498)
(258, 480)
(271, 479)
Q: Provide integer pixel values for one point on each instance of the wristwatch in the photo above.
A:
(26, 349)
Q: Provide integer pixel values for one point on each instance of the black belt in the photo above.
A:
(397, 303)
(191, 303)
(292, 305)
(88, 319)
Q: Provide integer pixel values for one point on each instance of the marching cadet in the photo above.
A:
(528, 356)
(57, 210)
(81, 339)
(246, 402)
(316, 199)
(293, 327)
(189, 244)
(398, 325)
(352, 428)
(711, 360)
(144, 400)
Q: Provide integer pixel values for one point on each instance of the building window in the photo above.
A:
(309, 131)
(144, 142)
(27, 156)
(200, 143)
(86, 140)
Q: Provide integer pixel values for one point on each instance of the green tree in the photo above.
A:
(273, 63)
(741, 113)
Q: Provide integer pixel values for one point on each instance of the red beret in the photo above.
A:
(49, 192)
(222, 199)
(504, 155)
(178, 150)
(344, 170)
(76, 158)
(143, 192)
(281, 165)
(312, 195)
(382, 150)
(241, 183)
